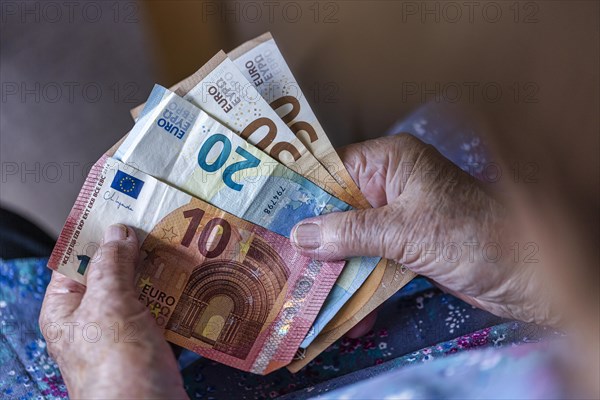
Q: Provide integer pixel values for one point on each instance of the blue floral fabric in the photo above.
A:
(521, 372)
(26, 370)
(417, 325)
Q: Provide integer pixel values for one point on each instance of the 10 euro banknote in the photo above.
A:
(218, 285)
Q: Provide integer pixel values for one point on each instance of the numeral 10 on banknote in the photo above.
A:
(223, 228)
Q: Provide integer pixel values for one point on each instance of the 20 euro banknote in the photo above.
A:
(218, 285)
(180, 144)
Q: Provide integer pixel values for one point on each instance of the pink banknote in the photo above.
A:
(218, 285)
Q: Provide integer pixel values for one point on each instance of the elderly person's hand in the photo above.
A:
(104, 340)
(436, 220)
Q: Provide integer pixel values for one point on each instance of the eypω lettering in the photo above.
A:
(224, 94)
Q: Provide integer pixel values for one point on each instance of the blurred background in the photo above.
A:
(71, 71)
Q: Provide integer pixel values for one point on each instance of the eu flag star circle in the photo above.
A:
(127, 184)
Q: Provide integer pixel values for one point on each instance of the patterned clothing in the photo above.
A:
(419, 324)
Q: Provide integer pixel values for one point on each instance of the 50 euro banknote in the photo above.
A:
(218, 285)
(262, 63)
(180, 144)
(220, 89)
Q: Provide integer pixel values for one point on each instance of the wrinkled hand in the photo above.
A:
(433, 218)
(104, 341)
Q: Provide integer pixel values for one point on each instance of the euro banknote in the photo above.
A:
(221, 90)
(218, 285)
(177, 142)
(196, 89)
(383, 283)
(180, 144)
(262, 63)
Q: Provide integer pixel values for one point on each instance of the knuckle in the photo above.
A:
(116, 252)
(109, 268)
(417, 149)
(405, 137)
(391, 233)
(407, 141)
(355, 233)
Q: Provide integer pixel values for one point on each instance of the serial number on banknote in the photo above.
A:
(274, 200)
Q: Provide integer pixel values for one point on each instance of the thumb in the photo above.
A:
(341, 235)
(112, 268)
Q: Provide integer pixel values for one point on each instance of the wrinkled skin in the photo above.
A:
(436, 220)
(121, 353)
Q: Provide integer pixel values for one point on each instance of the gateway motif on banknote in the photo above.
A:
(225, 302)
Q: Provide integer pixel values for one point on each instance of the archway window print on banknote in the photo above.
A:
(224, 305)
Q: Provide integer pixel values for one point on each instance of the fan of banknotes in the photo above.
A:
(213, 176)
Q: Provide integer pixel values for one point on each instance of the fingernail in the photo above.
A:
(307, 236)
(115, 232)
